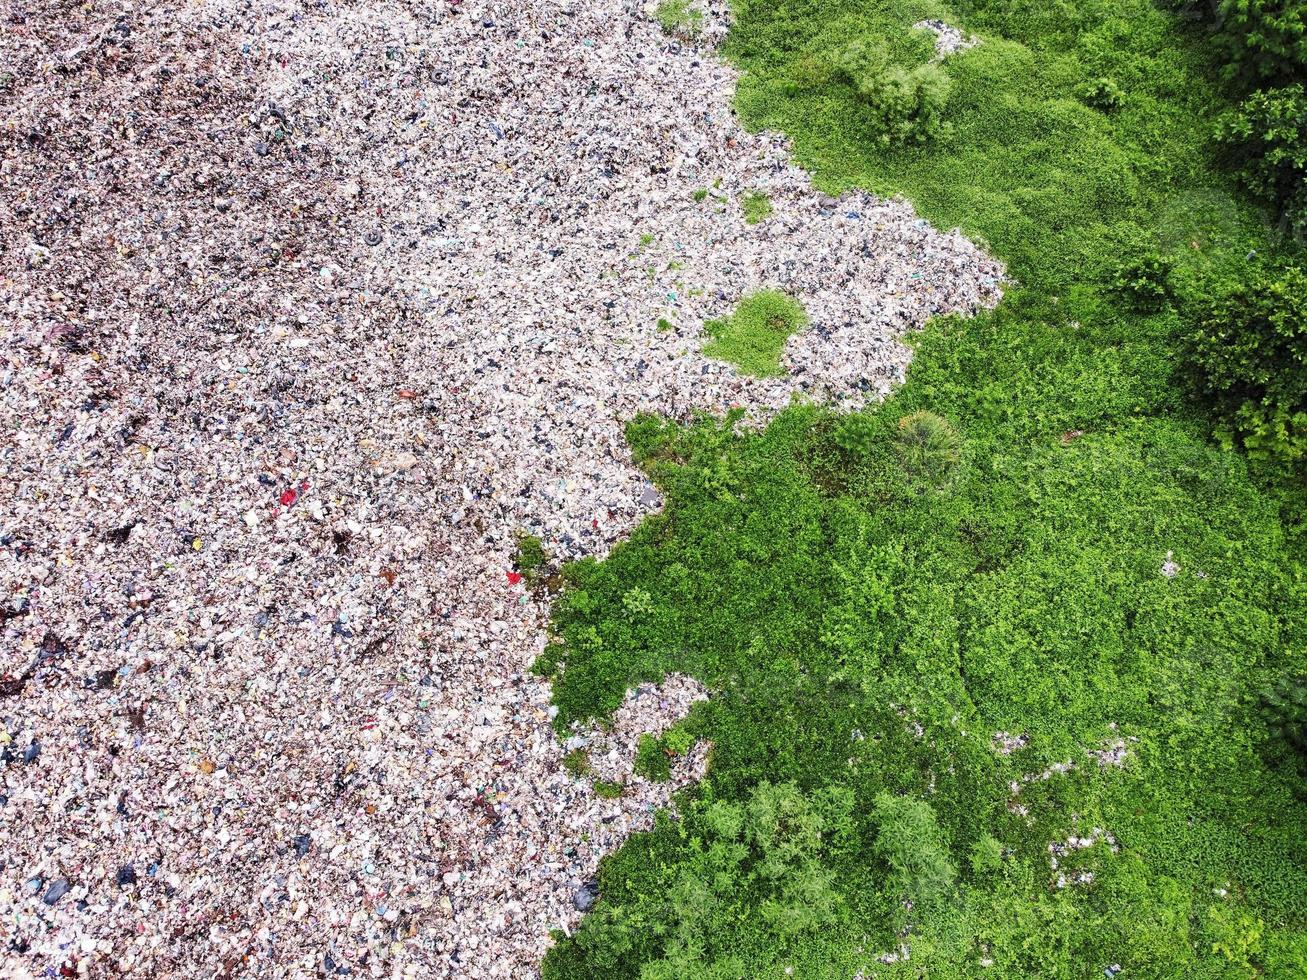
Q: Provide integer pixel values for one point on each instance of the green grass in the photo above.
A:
(871, 607)
(756, 207)
(678, 17)
(753, 337)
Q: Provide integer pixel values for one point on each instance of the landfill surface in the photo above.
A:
(309, 310)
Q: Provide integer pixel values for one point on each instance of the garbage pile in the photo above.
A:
(308, 310)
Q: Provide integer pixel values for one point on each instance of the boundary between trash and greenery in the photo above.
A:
(1006, 669)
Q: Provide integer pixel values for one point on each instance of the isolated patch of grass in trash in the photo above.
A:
(754, 335)
(756, 206)
(678, 17)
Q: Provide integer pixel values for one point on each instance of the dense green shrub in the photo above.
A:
(863, 636)
(927, 446)
(1248, 342)
(910, 841)
(749, 876)
(1103, 94)
(1143, 275)
(906, 102)
(1284, 705)
(1266, 140)
(1267, 39)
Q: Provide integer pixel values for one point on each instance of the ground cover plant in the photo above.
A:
(1008, 671)
(753, 336)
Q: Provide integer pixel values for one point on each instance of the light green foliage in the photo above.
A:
(678, 739)
(905, 102)
(857, 433)
(651, 761)
(1103, 94)
(679, 18)
(754, 336)
(866, 638)
(700, 195)
(986, 855)
(756, 206)
(607, 790)
(909, 840)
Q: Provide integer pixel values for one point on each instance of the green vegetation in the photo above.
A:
(754, 336)
(756, 206)
(941, 649)
(577, 762)
(531, 558)
(651, 761)
(678, 17)
(607, 790)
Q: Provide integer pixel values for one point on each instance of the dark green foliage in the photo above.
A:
(866, 631)
(1249, 343)
(1284, 706)
(927, 446)
(606, 790)
(1144, 276)
(1266, 139)
(1267, 39)
(651, 760)
(531, 558)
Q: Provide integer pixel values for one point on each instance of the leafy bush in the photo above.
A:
(1266, 139)
(1267, 39)
(753, 868)
(1103, 94)
(1248, 343)
(651, 761)
(1144, 277)
(856, 433)
(1284, 706)
(927, 446)
(986, 855)
(907, 103)
(910, 840)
